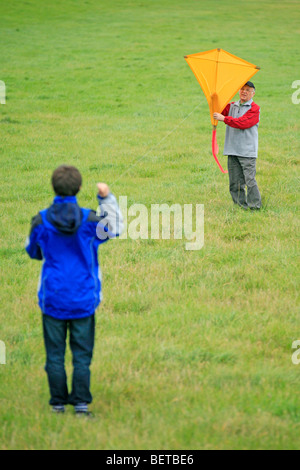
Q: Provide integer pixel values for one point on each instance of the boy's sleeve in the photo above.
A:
(111, 223)
(32, 246)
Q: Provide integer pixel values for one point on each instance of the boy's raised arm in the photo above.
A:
(111, 224)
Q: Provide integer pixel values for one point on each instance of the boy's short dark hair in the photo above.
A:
(66, 180)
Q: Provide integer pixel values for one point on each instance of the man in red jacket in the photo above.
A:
(241, 146)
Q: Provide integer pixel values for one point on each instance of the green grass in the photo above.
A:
(193, 349)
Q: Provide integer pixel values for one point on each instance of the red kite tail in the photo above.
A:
(215, 148)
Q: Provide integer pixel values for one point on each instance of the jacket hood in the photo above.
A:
(65, 214)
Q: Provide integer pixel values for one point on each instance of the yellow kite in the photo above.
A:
(221, 75)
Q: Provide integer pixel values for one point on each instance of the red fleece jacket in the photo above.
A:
(249, 119)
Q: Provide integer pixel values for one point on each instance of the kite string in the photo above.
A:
(135, 162)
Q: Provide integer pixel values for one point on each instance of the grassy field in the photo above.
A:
(193, 348)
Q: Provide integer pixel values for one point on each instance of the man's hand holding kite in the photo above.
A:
(219, 117)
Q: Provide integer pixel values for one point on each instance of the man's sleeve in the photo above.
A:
(225, 111)
(32, 246)
(249, 119)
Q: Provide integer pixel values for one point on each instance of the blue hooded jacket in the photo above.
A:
(66, 238)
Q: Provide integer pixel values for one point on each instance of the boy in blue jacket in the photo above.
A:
(66, 238)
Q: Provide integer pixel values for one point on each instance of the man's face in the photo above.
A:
(246, 93)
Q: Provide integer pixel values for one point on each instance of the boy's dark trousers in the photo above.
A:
(82, 336)
(242, 171)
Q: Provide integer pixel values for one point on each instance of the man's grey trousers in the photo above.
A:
(242, 171)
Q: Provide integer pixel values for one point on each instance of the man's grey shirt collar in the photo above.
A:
(248, 103)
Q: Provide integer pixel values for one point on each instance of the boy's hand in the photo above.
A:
(103, 189)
